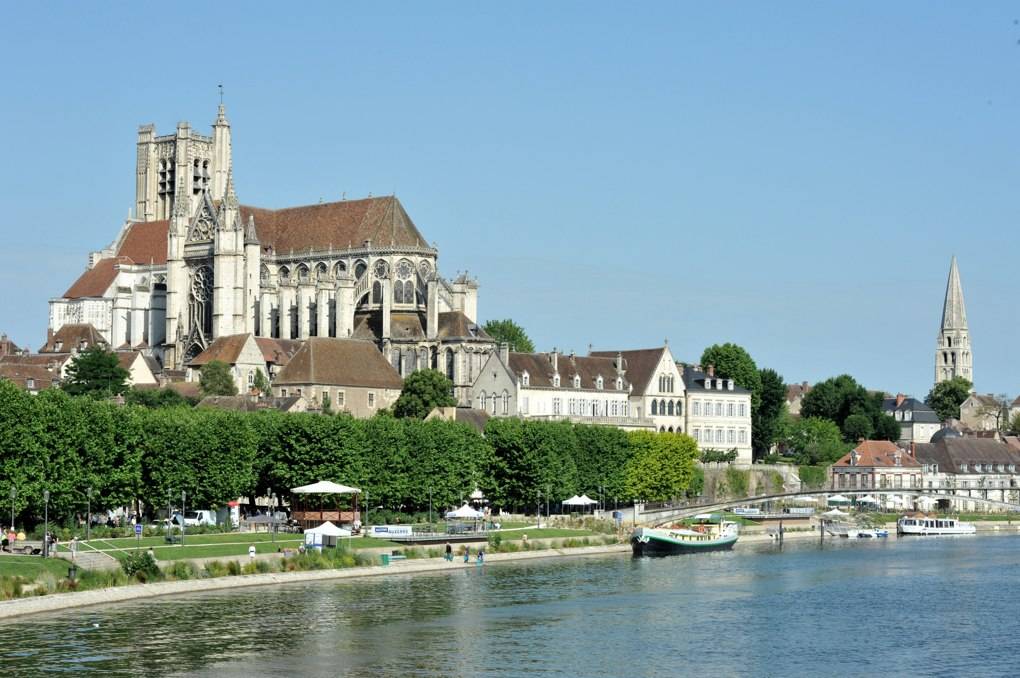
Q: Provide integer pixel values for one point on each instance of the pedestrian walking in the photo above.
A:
(251, 552)
(449, 552)
(74, 547)
(481, 556)
(467, 554)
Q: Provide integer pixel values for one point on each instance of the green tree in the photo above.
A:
(261, 383)
(1014, 424)
(858, 426)
(886, 428)
(215, 379)
(95, 371)
(733, 362)
(766, 419)
(947, 396)
(155, 398)
(662, 465)
(841, 397)
(814, 440)
(509, 332)
(423, 391)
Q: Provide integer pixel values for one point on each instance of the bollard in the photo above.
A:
(72, 572)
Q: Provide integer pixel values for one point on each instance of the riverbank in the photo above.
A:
(62, 601)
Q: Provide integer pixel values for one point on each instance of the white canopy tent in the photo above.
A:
(835, 513)
(573, 501)
(328, 529)
(464, 511)
(868, 499)
(838, 499)
(325, 487)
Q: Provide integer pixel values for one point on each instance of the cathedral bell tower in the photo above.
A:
(952, 354)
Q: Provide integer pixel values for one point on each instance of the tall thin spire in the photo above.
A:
(954, 314)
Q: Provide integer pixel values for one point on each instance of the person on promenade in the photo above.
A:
(74, 547)
(481, 556)
(449, 552)
(467, 554)
(152, 554)
(251, 553)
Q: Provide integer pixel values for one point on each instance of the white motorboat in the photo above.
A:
(926, 526)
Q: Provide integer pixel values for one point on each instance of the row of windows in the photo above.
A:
(720, 436)
(864, 481)
(718, 409)
(989, 468)
(489, 403)
(599, 381)
(664, 408)
(337, 399)
(667, 383)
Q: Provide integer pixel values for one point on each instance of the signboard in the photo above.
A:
(390, 531)
(138, 530)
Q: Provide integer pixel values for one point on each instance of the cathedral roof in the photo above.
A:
(339, 362)
(639, 363)
(540, 370)
(454, 324)
(95, 281)
(145, 242)
(348, 223)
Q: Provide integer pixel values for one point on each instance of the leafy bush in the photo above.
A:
(11, 587)
(727, 456)
(181, 570)
(216, 568)
(737, 481)
(813, 476)
(140, 565)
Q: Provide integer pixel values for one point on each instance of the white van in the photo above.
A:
(195, 518)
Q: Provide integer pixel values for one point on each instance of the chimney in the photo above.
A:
(49, 338)
(504, 353)
(913, 449)
(711, 370)
(899, 399)
(804, 386)
(619, 363)
(552, 358)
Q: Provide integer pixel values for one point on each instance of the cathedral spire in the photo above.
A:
(954, 315)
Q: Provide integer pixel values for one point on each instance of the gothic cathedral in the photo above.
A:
(952, 354)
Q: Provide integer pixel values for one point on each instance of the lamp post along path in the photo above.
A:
(183, 513)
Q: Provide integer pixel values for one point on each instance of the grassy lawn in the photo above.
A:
(32, 566)
(217, 545)
(547, 533)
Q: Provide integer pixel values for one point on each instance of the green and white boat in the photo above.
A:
(707, 533)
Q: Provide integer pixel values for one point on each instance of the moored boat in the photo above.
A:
(712, 534)
(924, 526)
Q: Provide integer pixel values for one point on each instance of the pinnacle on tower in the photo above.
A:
(954, 314)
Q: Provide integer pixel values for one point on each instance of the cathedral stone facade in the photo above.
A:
(195, 264)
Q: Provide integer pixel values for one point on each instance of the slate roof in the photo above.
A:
(694, 380)
(640, 365)
(339, 362)
(880, 453)
(540, 370)
(335, 224)
(454, 324)
(920, 412)
(950, 453)
(74, 336)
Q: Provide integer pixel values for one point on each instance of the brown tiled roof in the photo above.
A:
(406, 326)
(145, 242)
(225, 349)
(20, 373)
(126, 358)
(640, 365)
(540, 370)
(187, 389)
(95, 281)
(339, 362)
(794, 391)
(56, 360)
(7, 347)
(337, 224)
(75, 336)
(278, 351)
(880, 453)
(454, 324)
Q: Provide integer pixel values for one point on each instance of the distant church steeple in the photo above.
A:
(952, 355)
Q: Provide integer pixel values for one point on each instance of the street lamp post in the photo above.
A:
(538, 509)
(184, 496)
(88, 512)
(169, 518)
(368, 507)
(46, 523)
(633, 513)
(430, 508)
(272, 514)
(14, 495)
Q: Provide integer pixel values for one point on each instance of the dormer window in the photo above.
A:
(853, 458)
(525, 379)
(599, 383)
(708, 384)
(719, 384)
(58, 345)
(729, 384)
(556, 381)
(577, 381)
(30, 383)
(619, 384)
(907, 415)
(963, 468)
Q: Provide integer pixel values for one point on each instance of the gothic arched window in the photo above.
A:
(398, 293)
(376, 292)
(359, 269)
(321, 271)
(200, 302)
(655, 407)
(302, 273)
(449, 365)
(284, 274)
(339, 269)
(669, 408)
(264, 273)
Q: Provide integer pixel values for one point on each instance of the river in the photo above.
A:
(927, 606)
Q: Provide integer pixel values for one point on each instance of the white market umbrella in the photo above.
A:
(464, 511)
(835, 513)
(585, 500)
(868, 499)
(325, 487)
(328, 529)
(838, 499)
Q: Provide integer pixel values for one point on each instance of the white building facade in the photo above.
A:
(718, 413)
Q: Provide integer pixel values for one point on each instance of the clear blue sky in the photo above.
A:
(792, 177)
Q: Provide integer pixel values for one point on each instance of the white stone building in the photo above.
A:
(658, 386)
(194, 264)
(557, 386)
(918, 422)
(718, 412)
(985, 468)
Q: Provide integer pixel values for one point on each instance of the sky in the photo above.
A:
(791, 177)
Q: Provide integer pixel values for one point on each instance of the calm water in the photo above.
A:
(937, 606)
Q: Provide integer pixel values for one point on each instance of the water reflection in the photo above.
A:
(845, 609)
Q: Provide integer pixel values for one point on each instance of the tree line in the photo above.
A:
(136, 456)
